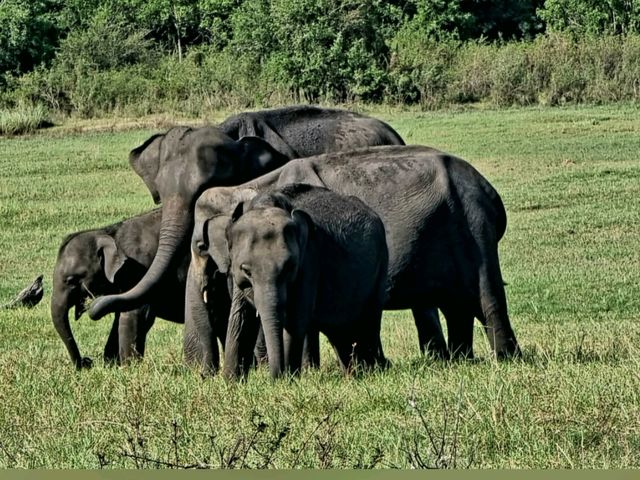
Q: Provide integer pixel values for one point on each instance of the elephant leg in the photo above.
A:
(344, 351)
(260, 350)
(430, 333)
(293, 346)
(311, 350)
(111, 347)
(132, 334)
(146, 322)
(298, 327)
(493, 312)
(368, 345)
(460, 329)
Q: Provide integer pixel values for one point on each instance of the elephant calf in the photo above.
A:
(308, 260)
(111, 260)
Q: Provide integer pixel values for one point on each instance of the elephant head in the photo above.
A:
(267, 249)
(177, 167)
(87, 265)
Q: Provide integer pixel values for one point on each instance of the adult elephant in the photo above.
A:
(443, 221)
(178, 165)
(110, 260)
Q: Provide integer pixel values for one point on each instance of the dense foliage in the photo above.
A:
(95, 56)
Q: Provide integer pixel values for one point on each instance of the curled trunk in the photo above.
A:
(174, 230)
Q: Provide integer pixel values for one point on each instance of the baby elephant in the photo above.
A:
(111, 260)
(308, 260)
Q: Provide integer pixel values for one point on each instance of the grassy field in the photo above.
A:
(570, 180)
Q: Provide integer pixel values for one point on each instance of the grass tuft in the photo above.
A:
(23, 119)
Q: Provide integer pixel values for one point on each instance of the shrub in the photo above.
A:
(510, 76)
(25, 119)
(420, 68)
(472, 77)
(317, 48)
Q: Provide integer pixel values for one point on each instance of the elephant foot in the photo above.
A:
(511, 353)
(461, 353)
(436, 351)
(85, 364)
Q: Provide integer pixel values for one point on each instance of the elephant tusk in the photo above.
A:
(205, 297)
(88, 291)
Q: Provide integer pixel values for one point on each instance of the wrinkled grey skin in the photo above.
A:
(305, 130)
(179, 165)
(111, 260)
(308, 260)
(443, 221)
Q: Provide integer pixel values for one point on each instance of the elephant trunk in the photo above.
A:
(271, 305)
(242, 333)
(174, 230)
(196, 319)
(60, 316)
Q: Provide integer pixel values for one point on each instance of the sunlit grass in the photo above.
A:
(571, 257)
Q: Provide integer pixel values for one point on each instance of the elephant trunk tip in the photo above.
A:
(100, 307)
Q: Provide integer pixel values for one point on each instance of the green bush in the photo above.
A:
(420, 68)
(553, 69)
(317, 48)
(591, 16)
(29, 33)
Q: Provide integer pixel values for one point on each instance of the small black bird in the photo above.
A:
(30, 296)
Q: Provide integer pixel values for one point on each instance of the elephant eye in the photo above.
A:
(71, 280)
(201, 246)
(245, 269)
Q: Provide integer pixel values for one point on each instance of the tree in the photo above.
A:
(29, 33)
(592, 16)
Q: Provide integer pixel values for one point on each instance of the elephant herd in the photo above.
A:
(282, 224)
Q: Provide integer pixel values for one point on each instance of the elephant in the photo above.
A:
(305, 130)
(110, 260)
(178, 165)
(442, 220)
(308, 260)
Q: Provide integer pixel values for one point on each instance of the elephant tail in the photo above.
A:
(498, 207)
(501, 215)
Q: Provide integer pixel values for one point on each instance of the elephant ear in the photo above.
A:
(145, 161)
(112, 258)
(265, 131)
(260, 156)
(237, 212)
(215, 230)
(305, 226)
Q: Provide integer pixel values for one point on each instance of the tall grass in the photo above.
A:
(569, 178)
(23, 119)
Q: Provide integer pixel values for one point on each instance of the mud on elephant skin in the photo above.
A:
(178, 165)
(443, 221)
(111, 260)
(308, 260)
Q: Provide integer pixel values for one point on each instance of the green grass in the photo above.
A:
(25, 119)
(570, 180)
